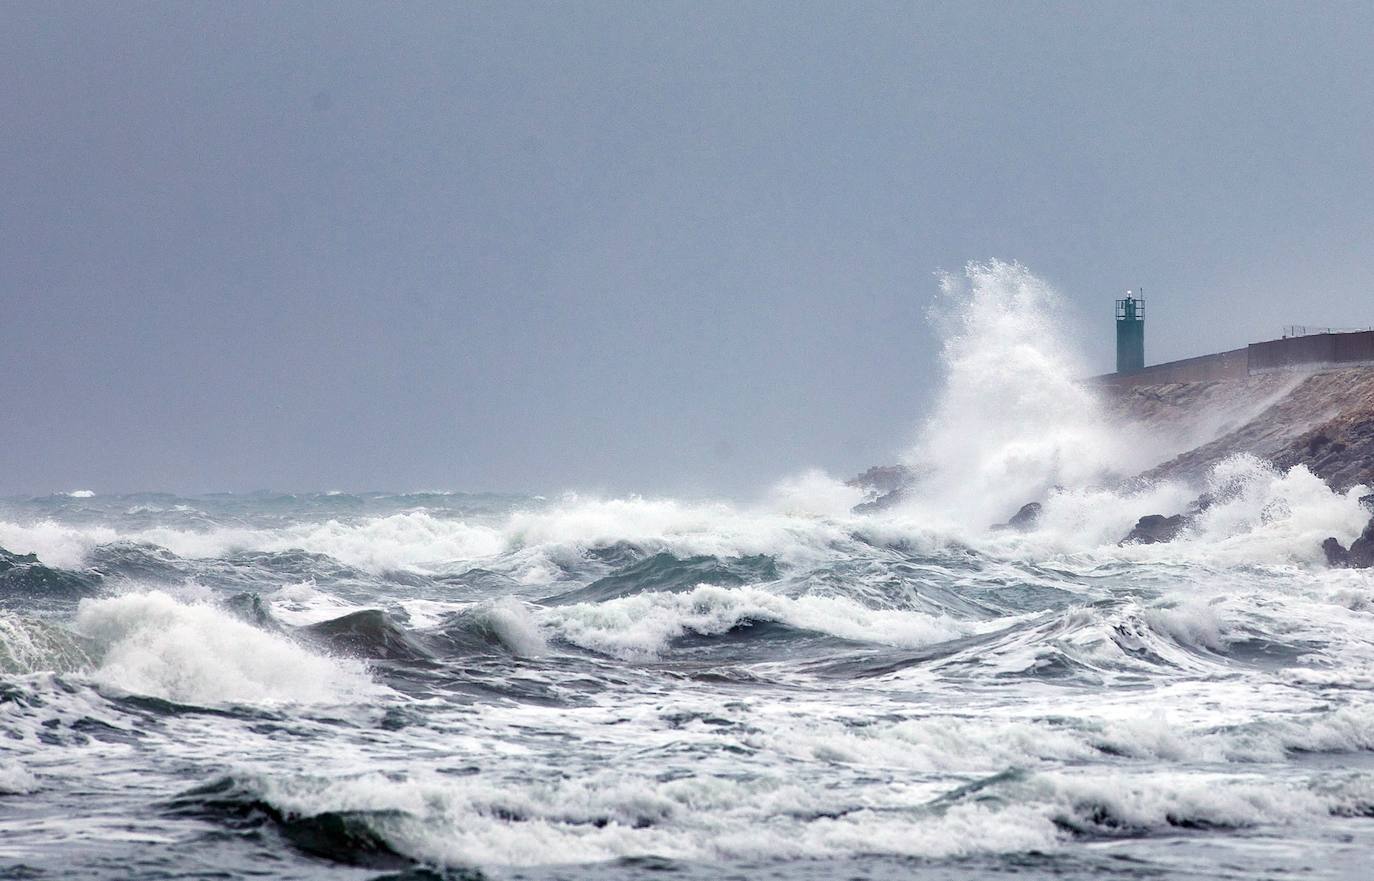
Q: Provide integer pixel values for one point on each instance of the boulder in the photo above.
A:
(1362, 548)
(882, 502)
(1154, 529)
(1361, 552)
(1023, 520)
(1336, 554)
(884, 486)
(882, 479)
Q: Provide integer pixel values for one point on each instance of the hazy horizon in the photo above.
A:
(621, 247)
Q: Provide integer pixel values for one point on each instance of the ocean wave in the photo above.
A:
(1260, 516)
(151, 644)
(1113, 805)
(25, 575)
(666, 573)
(348, 837)
(505, 621)
(412, 540)
(986, 744)
(595, 818)
(32, 646)
(644, 626)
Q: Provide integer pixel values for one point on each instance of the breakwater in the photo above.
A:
(1295, 353)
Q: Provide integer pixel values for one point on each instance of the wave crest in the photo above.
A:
(151, 644)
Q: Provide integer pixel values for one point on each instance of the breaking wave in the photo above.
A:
(373, 819)
(1263, 517)
(151, 644)
(645, 625)
(1012, 420)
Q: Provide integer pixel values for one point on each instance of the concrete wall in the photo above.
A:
(1205, 368)
(1314, 352)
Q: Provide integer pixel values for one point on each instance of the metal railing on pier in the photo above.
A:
(1294, 330)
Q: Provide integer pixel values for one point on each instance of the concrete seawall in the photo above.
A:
(1300, 353)
(1316, 351)
(1204, 368)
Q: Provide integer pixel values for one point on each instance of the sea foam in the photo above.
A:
(643, 626)
(149, 643)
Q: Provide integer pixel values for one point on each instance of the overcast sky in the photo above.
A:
(657, 247)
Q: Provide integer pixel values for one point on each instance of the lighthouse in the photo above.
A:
(1130, 333)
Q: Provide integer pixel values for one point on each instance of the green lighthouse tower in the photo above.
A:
(1130, 334)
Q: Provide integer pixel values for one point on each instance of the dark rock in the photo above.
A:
(1361, 552)
(1362, 548)
(1027, 517)
(884, 486)
(1155, 529)
(1023, 520)
(1367, 502)
(1340, 451)
(882, 502)
(1336, 554)
(883, 479)
(1361, 555)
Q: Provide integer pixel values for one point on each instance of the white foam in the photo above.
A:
(413, 540)
(513, 624)
(533, 540)
(31, 646)
(1261, 516)
(1195, 622)
(56, 544)
(148, 643)
(1082, 519)
(1013, 418)
(16, 780)
(1168, 800)
(302, 604)
(608, 814)
(941, 743)
(814, 493)
(1094, 732)
(643, 625)
(604, 816)
(1267, 515)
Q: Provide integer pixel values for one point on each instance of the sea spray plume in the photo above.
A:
(1013, 418)
(814, 493)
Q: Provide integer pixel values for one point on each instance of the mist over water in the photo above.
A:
(384, 685)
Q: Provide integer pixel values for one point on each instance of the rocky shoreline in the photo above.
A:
(1323, 421)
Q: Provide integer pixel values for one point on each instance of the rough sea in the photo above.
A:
(447, 685)
(456, 686)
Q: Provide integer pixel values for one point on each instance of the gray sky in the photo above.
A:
(663, 247)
